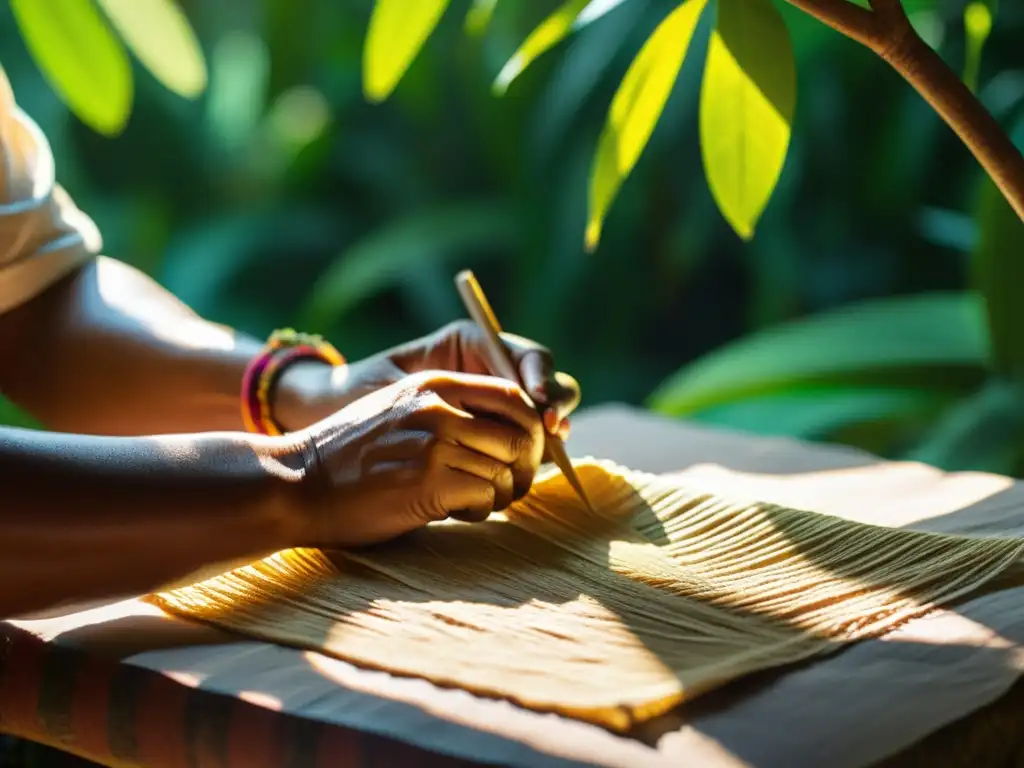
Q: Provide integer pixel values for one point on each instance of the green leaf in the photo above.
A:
(636, 107)
(919, 338)
(387, 255)
(978, 17)
(398, 30)
(997, 265)
(746, 109)
(817, 413)
(160, 36)
(479, 16)
(81, 58)
(13, 416)
(569, 17)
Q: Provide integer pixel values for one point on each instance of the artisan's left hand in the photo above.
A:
(459, 346)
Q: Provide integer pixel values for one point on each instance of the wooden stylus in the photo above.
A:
(501, 361)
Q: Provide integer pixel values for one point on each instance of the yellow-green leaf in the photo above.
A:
(398, 30)
(160, 36)
(547, 35)
(636, 107)
(566, 19)
(746, 109)
(479, 16)
(81, 58)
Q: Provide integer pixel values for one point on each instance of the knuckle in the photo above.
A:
(490, 495)
(501, 474)
(521, 443)
(435, 509)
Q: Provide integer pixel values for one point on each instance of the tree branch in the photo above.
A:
(899, 44)
(887, 31)
(851, 20)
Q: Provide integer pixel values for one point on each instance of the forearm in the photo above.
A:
(84, 518)
(108, 351)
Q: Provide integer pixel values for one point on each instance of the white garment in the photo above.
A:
(43, 235)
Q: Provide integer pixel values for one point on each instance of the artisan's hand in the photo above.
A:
(434, 445)
(459, 347)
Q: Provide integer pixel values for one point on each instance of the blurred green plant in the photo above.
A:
(936, 376)
(80, 46)
(288, 194)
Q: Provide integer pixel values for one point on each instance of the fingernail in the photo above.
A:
(551, 421)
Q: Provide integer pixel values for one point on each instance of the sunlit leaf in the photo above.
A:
(160, 36)
(479, 16)
(636, 107)
(978, 16)
(997, 264)
(746, 109)
(566, 19)
(81, 58)
(384, 257)
(398, 30)
(906, 341)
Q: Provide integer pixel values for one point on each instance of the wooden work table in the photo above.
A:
(126, 685)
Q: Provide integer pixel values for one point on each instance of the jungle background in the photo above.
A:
(282, 196)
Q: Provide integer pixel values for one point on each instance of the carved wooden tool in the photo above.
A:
(501, 361)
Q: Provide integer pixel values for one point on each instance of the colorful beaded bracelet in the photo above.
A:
(283, 348)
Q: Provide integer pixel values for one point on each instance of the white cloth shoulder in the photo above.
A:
(43, 235)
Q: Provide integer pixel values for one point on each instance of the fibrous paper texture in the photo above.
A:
(669, 591)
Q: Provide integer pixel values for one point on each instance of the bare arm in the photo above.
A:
(109, 351)
(84, 518)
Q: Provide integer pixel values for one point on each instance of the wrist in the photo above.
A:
(285, 485)
(296, 396)
(263, 393)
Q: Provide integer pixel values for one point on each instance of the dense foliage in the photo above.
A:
(325, 179)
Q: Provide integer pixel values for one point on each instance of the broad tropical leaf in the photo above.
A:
(566, 19)
(160, 36)
(746, 109)
(81, 58)
(905, 341)
(636, 107)
(398, 30)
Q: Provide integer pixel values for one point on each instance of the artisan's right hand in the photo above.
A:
(431, 446)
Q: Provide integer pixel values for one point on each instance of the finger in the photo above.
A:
(497, 473)
(558, 393)
(500, 441)
(536, 371)
(492, 396)
(564, 429)
(463, 496)
(565, 397)
(404, 445)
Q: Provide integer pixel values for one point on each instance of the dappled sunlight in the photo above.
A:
(261, 699)
(671, 591)
(76, 616)
(896, 495)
